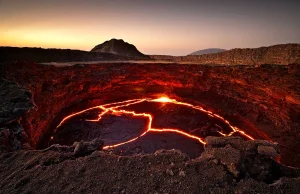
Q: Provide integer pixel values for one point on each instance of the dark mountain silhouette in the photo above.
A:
(119, 47)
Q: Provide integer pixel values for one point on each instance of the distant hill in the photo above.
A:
(208, 51)
(119, 47)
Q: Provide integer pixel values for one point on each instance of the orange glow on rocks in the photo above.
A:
(115, 108)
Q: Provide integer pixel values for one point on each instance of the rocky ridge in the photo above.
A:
(41, 55)
(283, 54)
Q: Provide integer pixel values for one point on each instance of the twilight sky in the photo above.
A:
(155, 27)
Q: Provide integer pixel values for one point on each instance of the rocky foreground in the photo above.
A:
(228, 165)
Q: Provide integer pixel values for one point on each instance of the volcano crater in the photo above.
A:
(247, 97)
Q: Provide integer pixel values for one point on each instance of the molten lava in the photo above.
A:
(163, 99)
(114, 108)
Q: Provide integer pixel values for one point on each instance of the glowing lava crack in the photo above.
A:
(115, 108)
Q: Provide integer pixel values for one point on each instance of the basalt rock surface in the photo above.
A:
(15, 102)
(278, 54)
(262, 100)
(228, 165)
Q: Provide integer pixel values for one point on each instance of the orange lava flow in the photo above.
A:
(115, 108)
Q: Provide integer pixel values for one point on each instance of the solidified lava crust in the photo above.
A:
(166, 120)
(263, 101)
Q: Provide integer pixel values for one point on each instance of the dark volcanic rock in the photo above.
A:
(118, 47)
(255, 159)
(15, 101)
(268, 151)
(58, 171)
(79, 149)
(85, 148)
(13, 137)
